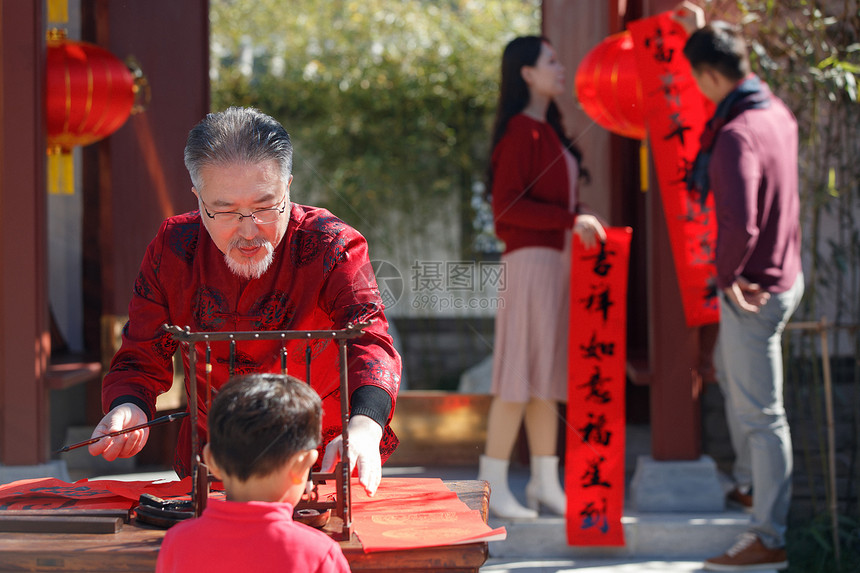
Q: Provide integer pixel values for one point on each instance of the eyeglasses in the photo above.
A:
(260, 216)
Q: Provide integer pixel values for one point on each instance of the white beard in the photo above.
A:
(250, 269)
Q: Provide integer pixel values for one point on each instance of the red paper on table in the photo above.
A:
(51, 493)
(594, 460)
(675, 114)
(404, 513)
(415, 512)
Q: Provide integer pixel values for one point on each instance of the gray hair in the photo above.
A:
(237, 135)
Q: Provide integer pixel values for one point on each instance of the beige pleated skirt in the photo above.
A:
(531, 331)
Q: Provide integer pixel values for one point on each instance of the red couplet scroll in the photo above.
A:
(51, 493)
(675, 114)
(594, 461)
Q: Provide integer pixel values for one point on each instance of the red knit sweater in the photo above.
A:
(531, 189)
(754, 177)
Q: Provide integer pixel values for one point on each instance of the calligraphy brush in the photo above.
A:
(155, 422)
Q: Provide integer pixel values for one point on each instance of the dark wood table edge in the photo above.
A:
(140, 552)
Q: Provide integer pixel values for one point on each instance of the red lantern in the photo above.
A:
(608, 88)
(89, 95)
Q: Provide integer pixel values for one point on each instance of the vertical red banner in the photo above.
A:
(675, 115)
(594, 460)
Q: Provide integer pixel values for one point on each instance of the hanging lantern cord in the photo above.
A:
(141, 87)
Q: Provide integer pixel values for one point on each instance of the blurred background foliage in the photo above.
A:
(389, 104)
(809, 52)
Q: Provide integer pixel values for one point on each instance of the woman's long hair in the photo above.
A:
(514, 97)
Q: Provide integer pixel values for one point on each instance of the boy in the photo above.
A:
(263, 433)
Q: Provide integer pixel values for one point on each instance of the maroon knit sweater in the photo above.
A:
(753, 173)
(531, 189)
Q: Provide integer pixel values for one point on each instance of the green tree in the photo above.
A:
(389, 102)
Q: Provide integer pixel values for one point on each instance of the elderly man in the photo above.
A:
(250, 259)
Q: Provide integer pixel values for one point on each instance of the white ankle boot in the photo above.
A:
(503, 504)
(543, 487)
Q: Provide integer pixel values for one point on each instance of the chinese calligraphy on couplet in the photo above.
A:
(675, 114)
(594, 461)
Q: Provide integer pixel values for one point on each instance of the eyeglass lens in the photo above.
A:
(263, 216)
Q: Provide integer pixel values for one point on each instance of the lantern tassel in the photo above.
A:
(61, 172)
(58, 11)
(643, 166)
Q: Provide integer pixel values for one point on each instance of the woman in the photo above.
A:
(534, 177)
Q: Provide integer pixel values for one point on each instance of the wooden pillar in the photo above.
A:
(676, 385)
(24, 334)
(675, 390)
(573, 32)
(142, 177)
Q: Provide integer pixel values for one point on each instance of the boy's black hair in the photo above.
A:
(721, 46)
(258, 421)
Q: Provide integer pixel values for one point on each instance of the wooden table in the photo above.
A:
(135, 548)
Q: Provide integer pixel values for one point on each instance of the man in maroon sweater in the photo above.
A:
(748, 159)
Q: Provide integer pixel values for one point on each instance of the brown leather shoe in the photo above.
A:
(738, 498)
(748, 554)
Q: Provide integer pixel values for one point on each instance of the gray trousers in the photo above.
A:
(748, 359)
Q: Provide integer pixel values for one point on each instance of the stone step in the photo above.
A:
(586, 565)
(54, 468)
(647, 535)
(658, 535)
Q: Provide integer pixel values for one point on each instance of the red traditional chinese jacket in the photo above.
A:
(320, 279)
